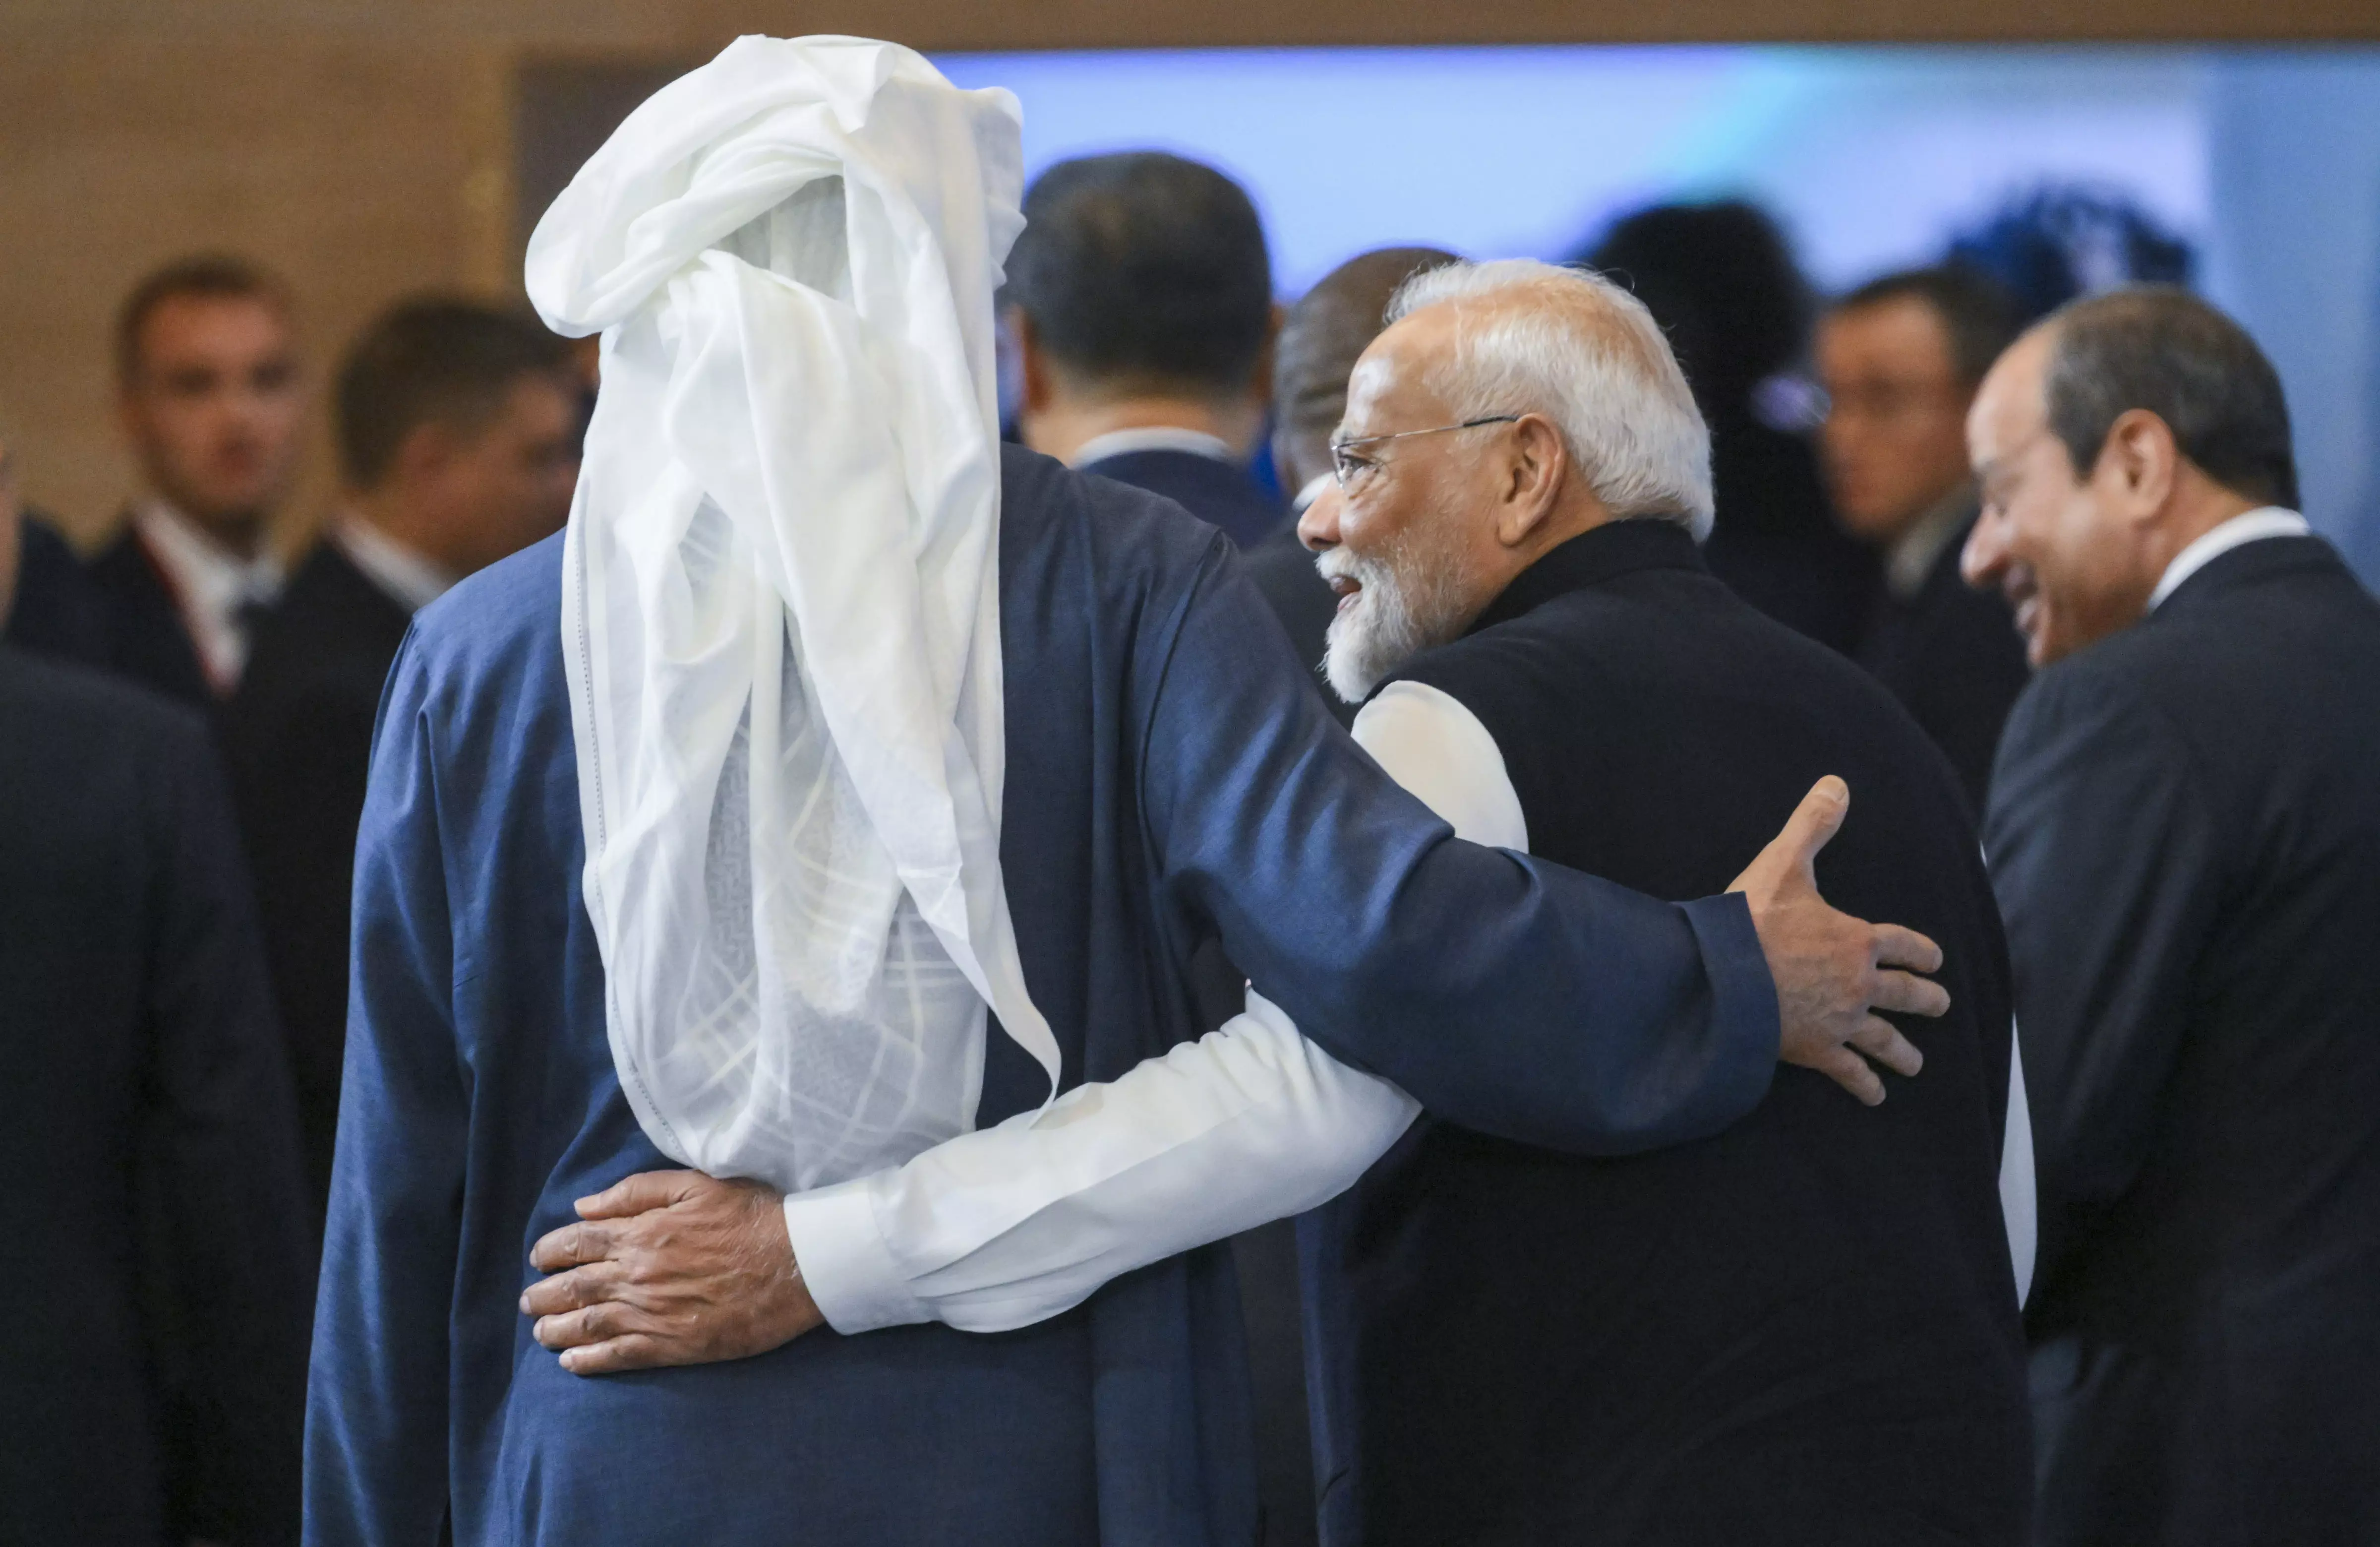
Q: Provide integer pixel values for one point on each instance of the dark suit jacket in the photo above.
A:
(1800, 1331)
(147, 640)
(55, 611)
(298, 736)
(1265, 1258)
(152, 1356)
(2185, 835)
(1218, 493)
(1953, 656)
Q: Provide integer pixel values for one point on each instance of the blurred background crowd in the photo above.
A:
(266, 389)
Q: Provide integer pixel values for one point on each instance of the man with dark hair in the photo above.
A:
(153, 1363)
(209, 394)
(1901, 358)
(457, 436)
(1140, 300)
(1722, 282)
(1320, 341)
(2184, 832)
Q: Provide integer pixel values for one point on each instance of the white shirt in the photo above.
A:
(2252, 525)
(1007, 1225)
(412, 578)
(1908, 561)
(211, 587)
(1150, 437)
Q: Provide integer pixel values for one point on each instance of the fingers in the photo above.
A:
(592, 1323)
(613, 1355)
(634, 1195)
(571, 1245)
(569, 1291)
(1815, 821)
(1904, 994)
(1881, 1040)
(1851, 1071)
(1896, 947)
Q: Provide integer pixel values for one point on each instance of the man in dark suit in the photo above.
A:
(1701, 1344)
(1139, 298)
(457, 438)
(154, 1356)
(2185, 836)
(1324, 331)
(209, 393)
(1899, 359)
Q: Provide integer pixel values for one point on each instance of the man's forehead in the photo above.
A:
(2010, 404)
(1391, 369)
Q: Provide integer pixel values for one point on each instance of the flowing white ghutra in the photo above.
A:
(780, 606)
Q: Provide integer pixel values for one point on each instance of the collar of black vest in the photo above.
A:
(1605, 552)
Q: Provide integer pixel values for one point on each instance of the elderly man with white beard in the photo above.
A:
(1804, 1325)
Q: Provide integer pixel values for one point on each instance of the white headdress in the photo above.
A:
(780, 601)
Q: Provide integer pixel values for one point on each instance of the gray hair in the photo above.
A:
(1586, 354)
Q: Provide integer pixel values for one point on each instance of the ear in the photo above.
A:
(1535, 462)
(2139, 463)
(1033, 362)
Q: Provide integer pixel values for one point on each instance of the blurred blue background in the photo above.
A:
(2265, 162)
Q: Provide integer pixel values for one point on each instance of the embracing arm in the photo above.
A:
(376, 1405)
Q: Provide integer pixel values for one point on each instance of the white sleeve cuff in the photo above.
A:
(845, 1262)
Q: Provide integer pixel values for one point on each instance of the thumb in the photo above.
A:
(634, 1195)
(1815, 821)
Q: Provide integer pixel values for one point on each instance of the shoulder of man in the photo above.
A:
(1127, 533)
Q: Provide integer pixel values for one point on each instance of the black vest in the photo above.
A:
(1803, 1330)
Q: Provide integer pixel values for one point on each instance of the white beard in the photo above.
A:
(1410, 600)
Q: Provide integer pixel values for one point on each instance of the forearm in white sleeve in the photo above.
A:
(1007, 1225)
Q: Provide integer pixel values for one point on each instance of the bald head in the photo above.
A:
(1324, 335)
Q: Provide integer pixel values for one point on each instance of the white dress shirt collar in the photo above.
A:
(214, 588)
(410, 578)
(1909, 562)
(2254, 526)
(1150, 437)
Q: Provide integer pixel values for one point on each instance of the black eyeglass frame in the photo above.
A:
(1345, 465)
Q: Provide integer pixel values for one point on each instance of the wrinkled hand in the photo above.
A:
(669, 1267)
(1833, 971)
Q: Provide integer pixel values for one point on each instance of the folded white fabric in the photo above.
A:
(780, 610)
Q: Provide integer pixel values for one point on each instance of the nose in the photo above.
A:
(1319, 528)
(1985, 556)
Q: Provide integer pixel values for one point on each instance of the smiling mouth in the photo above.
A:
(1346, 588)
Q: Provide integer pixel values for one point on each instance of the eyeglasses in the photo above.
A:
(1348, 465)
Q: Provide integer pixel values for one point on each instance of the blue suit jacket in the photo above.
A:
(1171, 778)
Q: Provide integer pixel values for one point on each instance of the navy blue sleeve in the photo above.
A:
(376, 1408)
(1506, 994)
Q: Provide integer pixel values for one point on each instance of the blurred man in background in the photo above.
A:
(1722, 282)
(153, 1361)
(2184, 832)
(1324, 334)
(209, 396)
(1899, 359)
(1140, 300)
(458, 431)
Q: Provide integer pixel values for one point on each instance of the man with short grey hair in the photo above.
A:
(2185, 836)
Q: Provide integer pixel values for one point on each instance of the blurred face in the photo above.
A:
(1894, 440)
(483, 496)
(2067, 552)
(1408, 543)
(212, 407)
